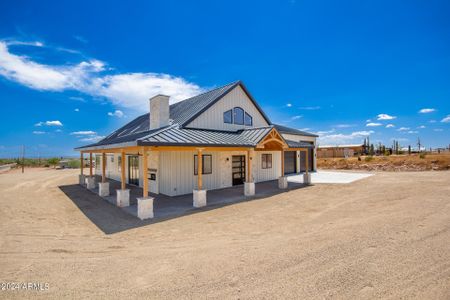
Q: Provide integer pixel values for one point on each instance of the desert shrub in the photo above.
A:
(368, 158)
(74, 163)
(359, 158)
(422, 155)
(53, 161)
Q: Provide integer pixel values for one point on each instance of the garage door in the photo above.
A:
(290, 162)
(303, 160)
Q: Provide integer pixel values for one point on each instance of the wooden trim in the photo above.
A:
(122, 169)
(145, 172)
(307, 162)
(272, 136)
(250, 155)
(81, 163)
(103, 167)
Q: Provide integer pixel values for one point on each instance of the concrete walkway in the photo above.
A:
(330, 177)
(165, 207)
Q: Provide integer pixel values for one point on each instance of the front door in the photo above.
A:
(238, 169)
(133, 169)
(290, 162)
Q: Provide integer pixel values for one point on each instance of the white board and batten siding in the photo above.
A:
(212, 118)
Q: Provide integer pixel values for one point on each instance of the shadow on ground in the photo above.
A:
(112, 219)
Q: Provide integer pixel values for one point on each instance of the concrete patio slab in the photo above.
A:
(330, 177)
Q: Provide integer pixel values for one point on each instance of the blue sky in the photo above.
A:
(72, 72)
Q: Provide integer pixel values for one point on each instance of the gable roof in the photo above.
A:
(289, 130)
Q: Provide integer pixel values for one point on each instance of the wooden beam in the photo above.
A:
(81, 162)
(282, 162)
(307, 162)
(103, 167)
(90, 164)
(145, 172)
(199, 168)
(122, 170)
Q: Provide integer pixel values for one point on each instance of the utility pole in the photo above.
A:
(418, 144)
(23, 158)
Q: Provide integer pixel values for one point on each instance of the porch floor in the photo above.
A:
(166, 207)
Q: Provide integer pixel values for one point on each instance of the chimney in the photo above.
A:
(159, 111)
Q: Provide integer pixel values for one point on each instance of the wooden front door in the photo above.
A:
(133, 169)
(238, 169)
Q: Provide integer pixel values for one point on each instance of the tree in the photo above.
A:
(419, 144)
(409, 150)
(53, 161)
(372, 149)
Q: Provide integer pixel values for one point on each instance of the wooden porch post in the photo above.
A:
(81, 162)
(249, 166)
(122, 169)
(103, 167)
(145, 172)
(307, 161)
(282, 162)
(199, 169)
(90, 164)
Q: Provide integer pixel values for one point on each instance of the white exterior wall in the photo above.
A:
(212, 118)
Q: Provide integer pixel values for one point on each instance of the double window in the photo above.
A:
(206, 164)
(266, 160)
(237, 116)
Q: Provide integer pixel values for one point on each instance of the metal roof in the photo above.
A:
(294, 144)
(285, 129)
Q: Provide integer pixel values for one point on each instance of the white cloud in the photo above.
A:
(49, 123)
(38, 132)
(76, 109)
(368, 120)
(296, 117)
(373, 124)
(130, 90)
(390, 126)
(438, 129)
(403, 129)
(427, 110)
(344, 125)
(326, 132)
(289, 105)
(86, 132)
(446, 119)
(81, 99)
(94, 138)
(117, 113)
(340, 138)
(421, 127)
(432, 121)
(385, 117)
(305, 129)
(413, 131)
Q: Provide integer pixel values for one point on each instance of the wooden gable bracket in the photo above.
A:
(273, 137)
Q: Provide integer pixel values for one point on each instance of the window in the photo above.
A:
(248, 120)
(238, 116)
(266, 160)
(228, 117)
(119, 162)
(206, 164)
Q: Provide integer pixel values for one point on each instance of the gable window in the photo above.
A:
(266, 160)
(206, 164)
(248, 120)
(238, 116)
(228, 117)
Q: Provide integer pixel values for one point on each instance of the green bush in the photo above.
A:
(368, 158)
(422, 155)
(53, 161)
(74, 163)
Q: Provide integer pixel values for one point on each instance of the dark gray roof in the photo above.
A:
(294, 144)
(176, 135)
(285, 129)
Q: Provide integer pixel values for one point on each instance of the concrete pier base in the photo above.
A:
(282, 182)
(82, 179)
(307, 178)
(103, 189)
(90, 182)
(199, 197)
(123, 198)
(145, 208)
(249, 188)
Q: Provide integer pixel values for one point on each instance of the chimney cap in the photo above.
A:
(159, 95)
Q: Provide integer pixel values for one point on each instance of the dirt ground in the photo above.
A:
(386, 236)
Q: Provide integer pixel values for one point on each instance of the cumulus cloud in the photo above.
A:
(130, 90)
(426, 110)
(446, 119)
(373, 124)
(421, 127)
(296, 117)
(340, 138)
(86, 132)
(38, 132)
(412, 131)
(385, 117)
(390, 126)
(76, 109)
(49, 123)
(403, 129)
(117, 113)
(289, 105)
